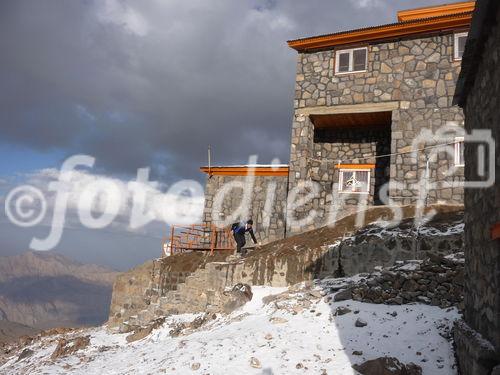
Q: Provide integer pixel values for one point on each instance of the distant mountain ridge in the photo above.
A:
(33, 263)
(46, 289)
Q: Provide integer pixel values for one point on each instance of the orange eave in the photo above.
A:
(355, 166)
(436, 11)
(390, 31)
(245, 171)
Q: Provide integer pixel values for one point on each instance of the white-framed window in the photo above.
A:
(354, 181)
(459, 152)
(459, 45)
(352, 60)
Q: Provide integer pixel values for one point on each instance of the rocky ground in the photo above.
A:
(309, 328)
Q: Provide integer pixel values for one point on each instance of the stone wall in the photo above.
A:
(417, 76)
(436, 281)
(282, 263)
(355, 144)
(268, 195)
(478, 337)
(135, 290)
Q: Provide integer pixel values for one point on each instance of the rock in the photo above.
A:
(341, 310)
(278, 320)
(142, 332)
(410, 286)
(343, 295)
(496, 370)
(255, 363)
(357, 352)
(315, 293)
(177, 329)
(25, 354)
(139, 334)
(195, 366)
(271, 298)
(299, 365)
(387, 366)
(297, 309)
(66, 347)
(237, 297)
(360, 323)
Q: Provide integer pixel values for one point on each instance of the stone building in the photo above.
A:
(374, 122)
(477, 337)
(259, 188)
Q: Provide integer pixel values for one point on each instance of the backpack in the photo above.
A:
(236, 228)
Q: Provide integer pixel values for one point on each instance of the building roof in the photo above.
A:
(412, 22)
(482, 22)
(245, 170)
(436, 10)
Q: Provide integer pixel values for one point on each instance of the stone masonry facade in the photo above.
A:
(266, 202)
(478, 335)
(414, 77)
(339, 144)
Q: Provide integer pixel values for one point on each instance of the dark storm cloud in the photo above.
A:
(152, 83)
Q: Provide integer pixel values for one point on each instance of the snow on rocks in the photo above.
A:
(314, 340)
(435, 281)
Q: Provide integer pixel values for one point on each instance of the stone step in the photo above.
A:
(145, 316)
(132, 320)
(171, 299)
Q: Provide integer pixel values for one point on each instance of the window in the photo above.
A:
(354, 181)
(459, 45)
(459, 152)
(351, 60)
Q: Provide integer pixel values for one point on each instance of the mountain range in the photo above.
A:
(45, 289)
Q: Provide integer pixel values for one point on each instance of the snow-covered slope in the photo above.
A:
(297, 332)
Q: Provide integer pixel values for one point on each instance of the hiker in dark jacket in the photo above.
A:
(239, 230)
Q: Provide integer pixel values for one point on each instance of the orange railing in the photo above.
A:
(197, 237)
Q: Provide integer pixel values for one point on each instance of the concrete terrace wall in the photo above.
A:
(417, 75)
(266, 189)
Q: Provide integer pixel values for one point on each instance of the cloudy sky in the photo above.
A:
(150, 84)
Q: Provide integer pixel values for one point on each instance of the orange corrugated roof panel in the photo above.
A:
(433, 19)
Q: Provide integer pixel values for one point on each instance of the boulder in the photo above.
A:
(25, 354)
(67, 347)
(341, 310)
(142, 332)
(387, 366)
(237, 297)
(343, 295)
(360, 323)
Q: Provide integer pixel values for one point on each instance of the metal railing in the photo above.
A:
(197, 237)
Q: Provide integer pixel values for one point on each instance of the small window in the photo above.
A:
(351, 60)
(343, 65)
(459, 152)
(459, 45)
(354, 181)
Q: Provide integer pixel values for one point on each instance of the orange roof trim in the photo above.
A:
(436, 11)
(355, 166)
(246, 170)
(447, 21)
